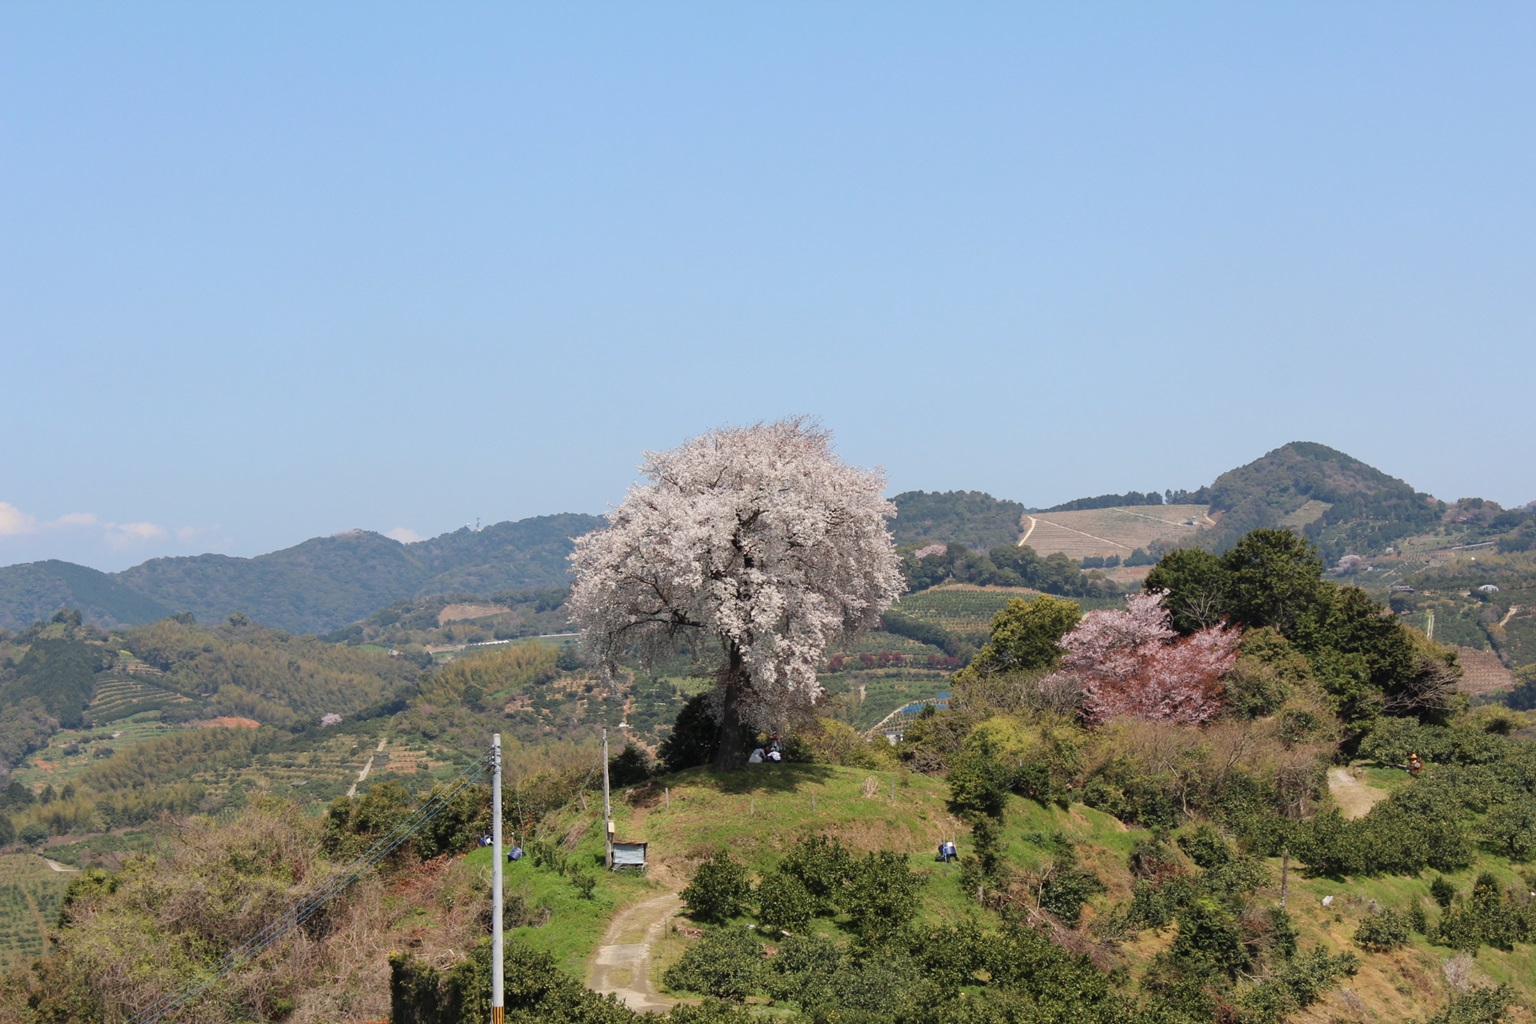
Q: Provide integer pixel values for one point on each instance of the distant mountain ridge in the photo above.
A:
(327, 583)
(319, 585)
(1342, 504)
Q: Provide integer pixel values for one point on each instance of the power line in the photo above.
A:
(307, 907)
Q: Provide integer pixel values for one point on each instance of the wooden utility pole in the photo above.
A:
(498, 999)
(607, 809)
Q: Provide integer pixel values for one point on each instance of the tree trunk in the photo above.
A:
(728, 753)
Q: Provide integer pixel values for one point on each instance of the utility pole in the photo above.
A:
(607, 809)
(498, 999)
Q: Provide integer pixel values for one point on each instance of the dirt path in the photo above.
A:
(1025, 539)
(1508, 615)
(55, 865)
(1355, 798)
(622, 963)
(367, 767)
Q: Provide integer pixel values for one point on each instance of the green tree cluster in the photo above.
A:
(1369, 662)
(1008, 565)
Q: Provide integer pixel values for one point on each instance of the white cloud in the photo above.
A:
(89, 529)
(124, 534)
(405, 535)
(14, 521)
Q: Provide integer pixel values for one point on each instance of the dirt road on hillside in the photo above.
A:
(622, 964)
(1025, 539)
(1354, 797)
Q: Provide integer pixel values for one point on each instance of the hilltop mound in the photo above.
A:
(1354, 507)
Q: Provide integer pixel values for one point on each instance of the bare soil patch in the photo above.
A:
(467, 610)
(1355, 798)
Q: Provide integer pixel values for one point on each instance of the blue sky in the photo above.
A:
(271, 271)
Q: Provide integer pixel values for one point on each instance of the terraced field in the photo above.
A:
(1112, 531)
(880, 643)
(30, 895)
(961, 608)
(1482, 672)
(125, 694)
(71, 751)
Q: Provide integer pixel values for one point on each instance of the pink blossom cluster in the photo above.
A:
(1132, 663)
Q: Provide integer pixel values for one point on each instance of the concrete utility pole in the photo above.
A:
(498, 999)
(607, 808)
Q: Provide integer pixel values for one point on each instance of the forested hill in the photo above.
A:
(35, 590)
(319, 585)
(973, 518)
(1339, 502)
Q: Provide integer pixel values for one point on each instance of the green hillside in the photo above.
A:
(1367, 510)
(972, 518)
(35, 590)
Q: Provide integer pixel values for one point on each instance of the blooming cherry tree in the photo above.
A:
(750, 547)
(1131, 663)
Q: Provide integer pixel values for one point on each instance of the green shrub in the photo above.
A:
(1210, 941)
(1382, 932)
(881, 894)
(630, 767)
(694, 738)
(1480, 1006)
(719, 890)
(1442, 890)
(821, 864)
(803, 969)
(1206, 847)
(1296, 984)
(1486, 916)
(1511, 829)
(1065, 891)
(1151, 858)
(726, 963)
(1418, 920)
(978, 781)
(784, 901)
(1154, 905)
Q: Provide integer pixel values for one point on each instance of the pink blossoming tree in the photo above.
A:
(1131, 663)
(750, 547)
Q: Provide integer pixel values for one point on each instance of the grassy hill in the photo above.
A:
(1115, 531)
(759, 816)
